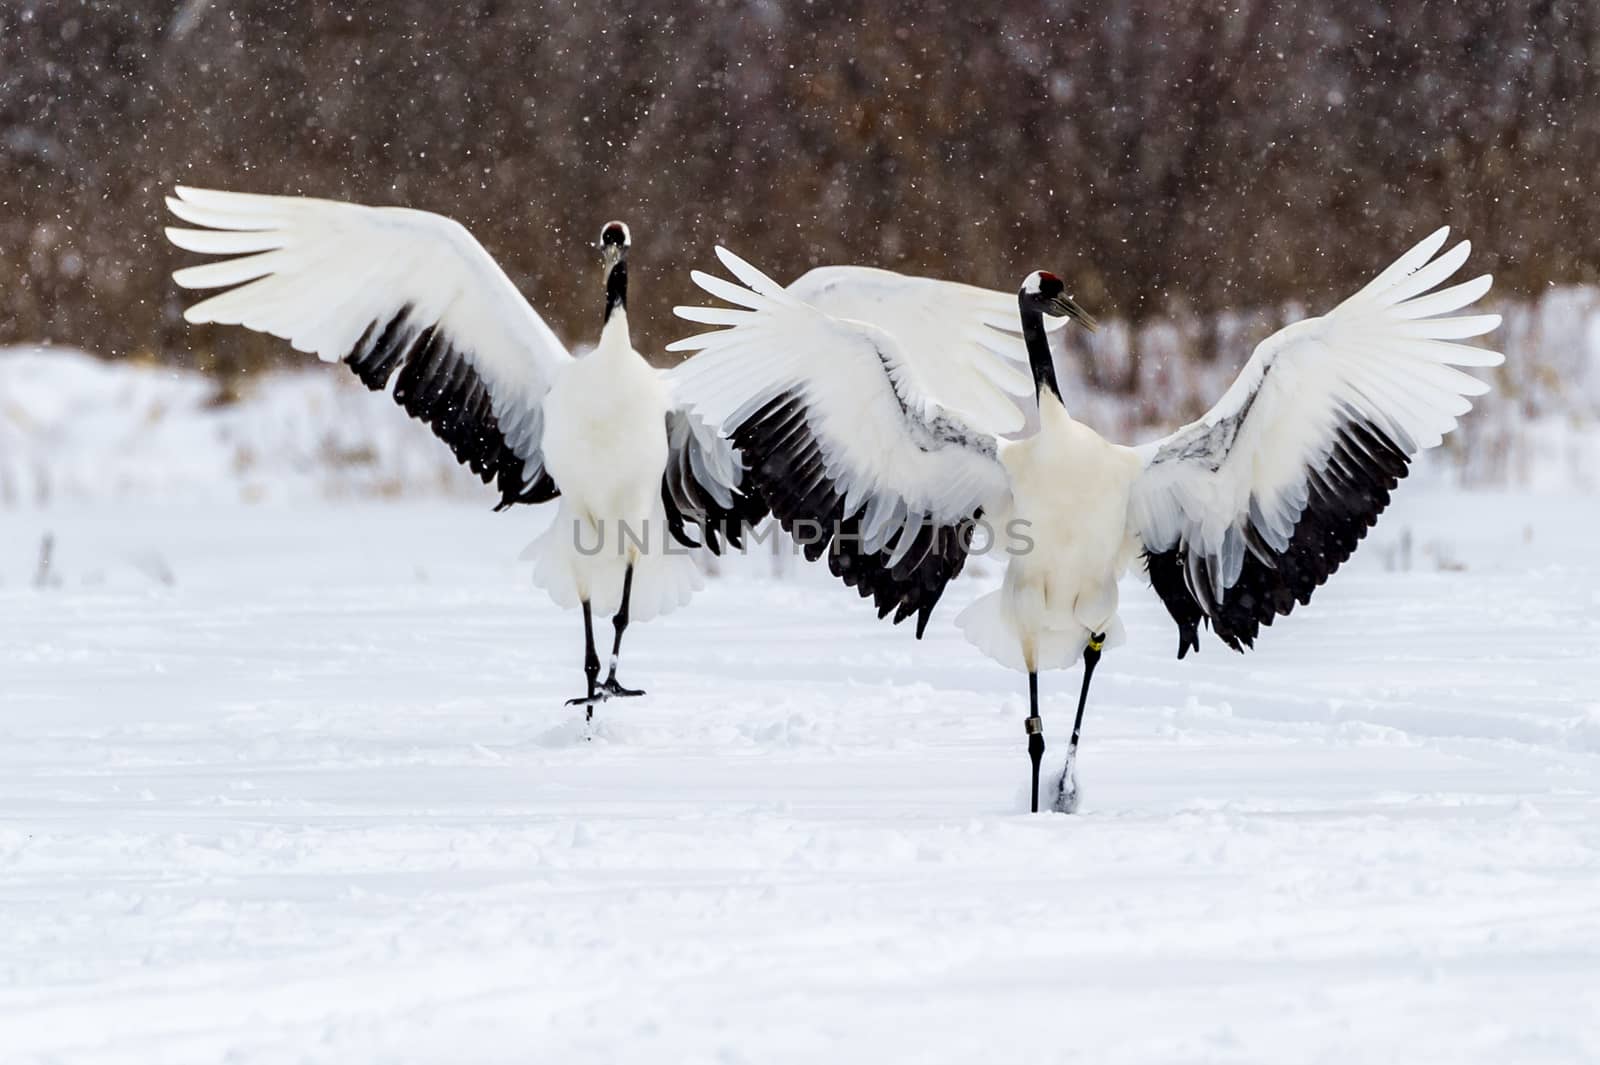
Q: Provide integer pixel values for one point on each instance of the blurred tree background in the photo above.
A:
(1167, 156)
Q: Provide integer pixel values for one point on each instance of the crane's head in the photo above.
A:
(1045, 293)
(614, 241)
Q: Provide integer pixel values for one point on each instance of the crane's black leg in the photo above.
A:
(1035, 729)
(620, 623)
(591, 664)
(1067, 790)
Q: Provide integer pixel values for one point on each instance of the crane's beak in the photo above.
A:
(1064, 306)
(611, 255)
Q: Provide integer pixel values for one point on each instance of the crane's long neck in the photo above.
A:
(617, 291)
(1044, 367)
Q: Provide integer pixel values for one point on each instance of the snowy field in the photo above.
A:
(295, 783)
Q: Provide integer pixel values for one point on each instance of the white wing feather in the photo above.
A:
(962, 345)
(1385, 358)
(896, 457)
(328, 277)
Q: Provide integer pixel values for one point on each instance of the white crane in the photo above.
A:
(1236, 517)
(410, 299)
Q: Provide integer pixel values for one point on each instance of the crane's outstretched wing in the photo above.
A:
(1243, 513)
(706, 484)
(849, 455)
(962, 344)
(394, 293)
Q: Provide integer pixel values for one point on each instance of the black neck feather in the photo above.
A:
(1044, 367)
(616, 289)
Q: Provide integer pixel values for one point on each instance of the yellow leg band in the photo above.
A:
(1096, 645)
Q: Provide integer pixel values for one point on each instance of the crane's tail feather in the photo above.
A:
(989, 626)
(573, 562)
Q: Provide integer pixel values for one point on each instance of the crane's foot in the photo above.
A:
(607, 691)
(612, 690)
(1065, 797)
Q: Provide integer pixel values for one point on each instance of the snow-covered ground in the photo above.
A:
(73, 427)
(295, 783)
